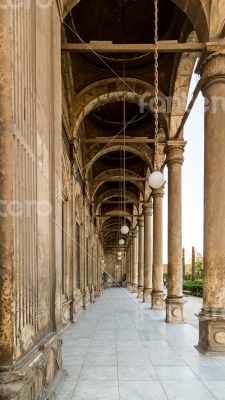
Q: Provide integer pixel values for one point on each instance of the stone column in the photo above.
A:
(212, 317)
(157, 276)
(134, 262)
(140, 257)
(183, 263)
(129, 283)
(6, 194)
(193, 272)
(128, 265)
(147, 210)
(174, 302)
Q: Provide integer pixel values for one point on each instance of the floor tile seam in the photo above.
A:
(199, 378)
(80, 374)
(99, 359)
(164, 390)
(209, 390)
(117, 366)
(159, 381)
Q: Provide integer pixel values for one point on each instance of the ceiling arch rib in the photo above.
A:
(200, 19)
(100, 179)
(114, 194)
(111, 90)
(97, 150)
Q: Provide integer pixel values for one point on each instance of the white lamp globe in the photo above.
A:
(119, 253)
(121, 241)
(119, 258)
(124, 229)
(156, 180)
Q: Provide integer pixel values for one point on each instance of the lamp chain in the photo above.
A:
(156, 84)
(124, 140)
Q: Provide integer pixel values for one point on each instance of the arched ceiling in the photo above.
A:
(98, 91)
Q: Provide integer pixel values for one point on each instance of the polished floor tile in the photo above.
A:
(96, 391)
(120, 349)
(187, 391)
(141, 390)
(175, 373)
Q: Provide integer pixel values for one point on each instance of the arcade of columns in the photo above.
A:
(51, 265)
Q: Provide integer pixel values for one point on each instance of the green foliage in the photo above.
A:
(199, 268)
(165, 276)
(195, 287)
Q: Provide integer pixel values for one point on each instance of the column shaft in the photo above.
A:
(134, 262)
(147, 208)
(174, 301)
(140, 257)
(157, 281)
(212, 317)
(128, 266)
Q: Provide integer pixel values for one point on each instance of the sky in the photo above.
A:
(192, 181)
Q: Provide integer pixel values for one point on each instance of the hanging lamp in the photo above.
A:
(156, 179)
(121, 242)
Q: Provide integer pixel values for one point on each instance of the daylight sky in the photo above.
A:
(192, 182)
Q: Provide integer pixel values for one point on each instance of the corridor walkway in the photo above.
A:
(122, 350)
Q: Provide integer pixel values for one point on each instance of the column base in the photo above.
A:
(147, 295)
(134, 289)
(129, 286)
(174, 310)
(158, 300)
(211, 332)
(140, 292)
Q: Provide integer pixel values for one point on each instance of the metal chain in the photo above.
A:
(124, 137)
(156, 84)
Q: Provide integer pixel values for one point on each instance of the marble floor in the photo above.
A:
(122, 350)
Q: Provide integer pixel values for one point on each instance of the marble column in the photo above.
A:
(212, 316)
(134, 262)
(140, 256)
(174, 301)
(128, 265)
(147, 210)
(157, 273)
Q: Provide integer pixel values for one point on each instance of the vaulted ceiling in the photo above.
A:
(96, 110)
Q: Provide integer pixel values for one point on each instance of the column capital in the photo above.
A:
(174, 151)
(158, 192)
(148, 208)
(212, 69)
(140, 220)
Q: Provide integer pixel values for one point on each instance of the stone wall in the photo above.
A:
(34, 360)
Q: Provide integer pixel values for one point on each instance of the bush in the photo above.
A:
(195, 287)
(165, 276)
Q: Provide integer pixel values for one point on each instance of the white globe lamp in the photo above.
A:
(156, 180)
(121, 242)
(124, 229)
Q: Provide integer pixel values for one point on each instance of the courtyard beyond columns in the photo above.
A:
(120, 349)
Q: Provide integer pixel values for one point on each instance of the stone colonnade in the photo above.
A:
(149, 230)
(150, 267)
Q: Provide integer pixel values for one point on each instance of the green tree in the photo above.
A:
(199, 268)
